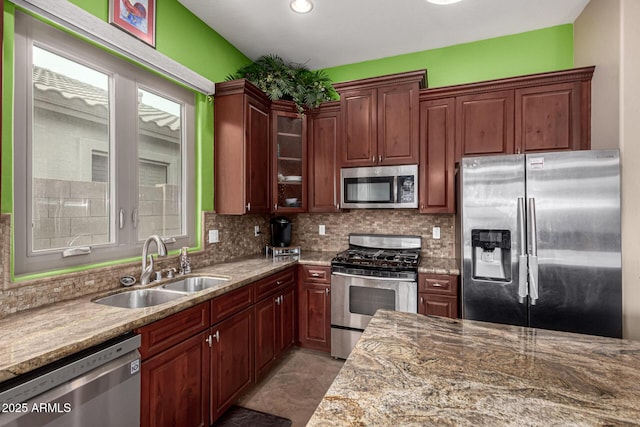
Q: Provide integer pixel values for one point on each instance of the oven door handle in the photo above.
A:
(386, 279)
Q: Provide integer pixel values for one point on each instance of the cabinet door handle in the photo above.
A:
(249, 207)
(379, 158)
(275, 207)
(209, 340)
(373, 159)
(421, 300)
(326, 291)
(217, 335)
(279, 300)
(338, 206)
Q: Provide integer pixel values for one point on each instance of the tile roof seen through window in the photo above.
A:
(46, 80)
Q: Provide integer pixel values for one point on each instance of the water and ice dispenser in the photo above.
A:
(491, 254)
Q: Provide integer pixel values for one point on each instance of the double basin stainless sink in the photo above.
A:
(141, 298)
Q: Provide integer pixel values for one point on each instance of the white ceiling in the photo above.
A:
(338, 32)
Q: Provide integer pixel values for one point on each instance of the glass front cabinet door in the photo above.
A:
(289, 165)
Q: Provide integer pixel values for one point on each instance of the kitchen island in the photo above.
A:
(409, 369)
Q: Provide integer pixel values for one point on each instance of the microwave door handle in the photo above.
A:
(395, 189)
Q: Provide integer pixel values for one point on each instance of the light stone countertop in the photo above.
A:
(414, 370)
(439, 266)
(33, 338)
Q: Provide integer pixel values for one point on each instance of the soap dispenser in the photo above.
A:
(185, 262)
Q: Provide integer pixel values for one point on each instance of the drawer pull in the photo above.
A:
(278, 282)
(437, 285)
(315, 274)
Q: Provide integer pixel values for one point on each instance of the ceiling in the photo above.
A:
(338, 32)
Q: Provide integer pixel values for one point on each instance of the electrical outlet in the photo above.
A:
(256, 230)
(436, 233)
(214, 236)
(321, 230)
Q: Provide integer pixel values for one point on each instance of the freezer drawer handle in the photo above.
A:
(522, 253)
(533, 252)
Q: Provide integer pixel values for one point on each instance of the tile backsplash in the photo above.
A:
(236, 239)
(378, 221)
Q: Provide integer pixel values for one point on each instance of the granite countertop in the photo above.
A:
(33, 338)
(414, 370)
(439, 266)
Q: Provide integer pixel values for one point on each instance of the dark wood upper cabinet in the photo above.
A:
(323, 125)
(398, 124)
(437, 162)
(241, 148)
(379, 118)
(360, 139)
(551, 118)
(537, 112)
(484, 123)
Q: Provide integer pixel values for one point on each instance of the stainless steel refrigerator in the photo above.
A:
(540, 240)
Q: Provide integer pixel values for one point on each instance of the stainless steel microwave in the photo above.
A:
(379, 187)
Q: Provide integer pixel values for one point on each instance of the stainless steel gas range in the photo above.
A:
(377, 271)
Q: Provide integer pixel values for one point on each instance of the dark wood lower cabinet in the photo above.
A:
(196, 363)
(232, 355)
(314, 307)
(265, 334)
(275, 328)
(438, 305)
(438, 295)
(286, 321)
(175, 385)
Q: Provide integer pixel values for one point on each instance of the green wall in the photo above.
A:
(549, 49)
(181, 36)
(185, 38)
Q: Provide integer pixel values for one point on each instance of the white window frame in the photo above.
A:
(124, 82)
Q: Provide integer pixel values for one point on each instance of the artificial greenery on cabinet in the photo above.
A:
(282, 80)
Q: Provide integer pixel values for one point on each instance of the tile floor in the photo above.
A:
(294, 388)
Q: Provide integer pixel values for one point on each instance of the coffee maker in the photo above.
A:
(280, 231)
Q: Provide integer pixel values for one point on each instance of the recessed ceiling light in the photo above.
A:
(443, 1)
(301, 6)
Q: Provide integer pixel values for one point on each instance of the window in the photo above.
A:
(102, 151)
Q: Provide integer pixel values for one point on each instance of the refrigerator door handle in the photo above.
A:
(533, 252)
(522, 253)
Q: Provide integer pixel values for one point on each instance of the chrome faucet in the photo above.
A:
(147, 270)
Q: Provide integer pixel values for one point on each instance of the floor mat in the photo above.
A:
(237, 416)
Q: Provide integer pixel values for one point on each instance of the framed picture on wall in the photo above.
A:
(136, 17)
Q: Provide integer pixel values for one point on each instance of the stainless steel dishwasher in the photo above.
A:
(97, 387)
